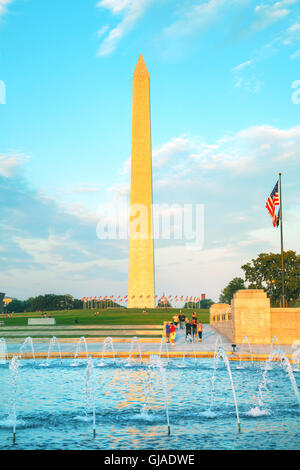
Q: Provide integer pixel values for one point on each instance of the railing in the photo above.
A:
(222, 316)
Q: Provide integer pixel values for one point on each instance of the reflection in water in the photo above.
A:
(52, 399)
(129, 386)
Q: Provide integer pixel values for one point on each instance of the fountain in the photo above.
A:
(52, 398)
(14, 369)
(29, 341)
(250, 350)
(273, 341)
(218, 344)
(147, 389)
(54, 341)
(156, 362)
(296, 360)
(3, 351)
(134, 341)
(277, 354)
(194, 351)
(222, 354)
(164, 341)
(107, 342)
(81, 341)
(90, 392)
(182, 364)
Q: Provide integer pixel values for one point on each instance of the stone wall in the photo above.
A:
(251, 315)
(221, 319)
(285, 324)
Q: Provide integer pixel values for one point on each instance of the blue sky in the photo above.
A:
(225, 109)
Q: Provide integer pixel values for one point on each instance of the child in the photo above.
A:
(168, 328)
(172, 334)
(200, 329)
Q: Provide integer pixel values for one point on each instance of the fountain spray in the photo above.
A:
(222, 354)
(134, 341)
(3, 351)
(157, 363)
(29, 341)
(81, 340)
(107, 342)
(14, 368)
(90, 390)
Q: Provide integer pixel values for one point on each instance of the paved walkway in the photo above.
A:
(208, 344)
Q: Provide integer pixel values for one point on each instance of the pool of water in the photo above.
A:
(54, 406)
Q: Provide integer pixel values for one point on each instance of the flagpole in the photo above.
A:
(283, 302)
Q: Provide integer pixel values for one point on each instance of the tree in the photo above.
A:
(54, 302)
(17, 306)
(264, 272)
(206, 303)
(163, 304)
(227, 293)
(191, 305)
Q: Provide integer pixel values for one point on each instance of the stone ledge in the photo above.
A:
(41, 321)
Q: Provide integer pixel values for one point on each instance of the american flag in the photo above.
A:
(273, 200)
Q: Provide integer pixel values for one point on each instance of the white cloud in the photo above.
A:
(116, 6)
(267, 14)
(44, 250)
(229, 175)
(268, 238)
(164, 153)
(102, 31)
(296, 54)
(9, 163)
(50, 270)
(50, 253)
(292, 34)
(245, 78)
(243, 65)
(3, 6)
(132, 11)
(248, 151)
(81, 211)
(198, 17)
(218, 267)
(125, 170)
(120, 191)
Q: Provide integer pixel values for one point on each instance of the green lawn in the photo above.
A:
(108, 317)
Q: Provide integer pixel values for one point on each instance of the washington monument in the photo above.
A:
(141, 256)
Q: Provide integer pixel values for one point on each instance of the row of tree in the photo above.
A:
(44, 303)
(205, 303)
(264, 272)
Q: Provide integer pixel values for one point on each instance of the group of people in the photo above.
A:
(193, 328)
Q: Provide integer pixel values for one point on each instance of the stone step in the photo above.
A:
(83, 327)
(78, 333)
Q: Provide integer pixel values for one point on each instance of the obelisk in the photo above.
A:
(141, 254)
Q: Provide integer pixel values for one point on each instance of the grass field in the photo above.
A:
(106, 317)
